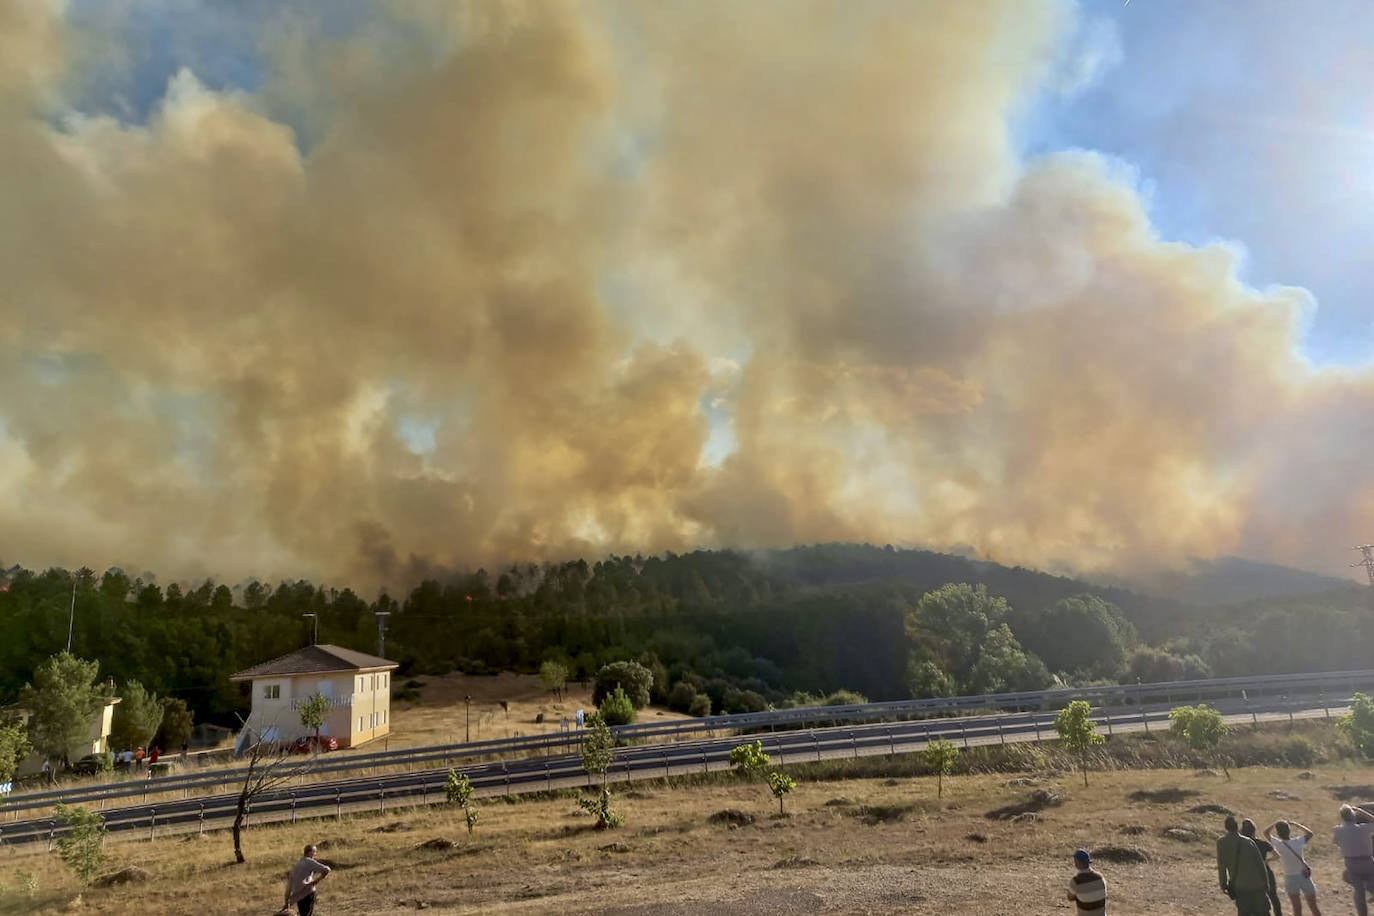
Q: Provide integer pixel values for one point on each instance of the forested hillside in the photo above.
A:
(743, 628)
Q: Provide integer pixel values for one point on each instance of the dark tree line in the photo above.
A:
(739, 628)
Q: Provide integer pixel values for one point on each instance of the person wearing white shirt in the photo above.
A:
(1355, 837)
(1297, 876)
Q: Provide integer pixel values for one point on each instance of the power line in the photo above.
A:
(1368, 562)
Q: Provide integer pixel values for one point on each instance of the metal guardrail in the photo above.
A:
(564, 742)
(645, 761)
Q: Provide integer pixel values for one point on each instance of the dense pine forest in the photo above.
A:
(743, 628)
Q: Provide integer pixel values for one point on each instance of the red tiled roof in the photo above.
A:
(314, 660)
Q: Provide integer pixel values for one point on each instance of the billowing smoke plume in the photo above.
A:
(469, 284)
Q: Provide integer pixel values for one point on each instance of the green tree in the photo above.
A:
(459, 790)
(554, 676)
(940, 756)
(749, 759)
(780, 784)
(1076, 729)
(948, 626)
(925, 678)
(700, 706)
(82, 845)
(62, 701)
(617, 709)
(176, 722)
(636, 680)
(598, 748)
(1203, 728)
(136, 717)
(14, 747)
(314, 711)
(1358, 724)
(1082, 634)
(1004, 666)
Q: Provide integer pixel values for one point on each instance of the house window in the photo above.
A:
(360, 723)
(271, 692)
(383, 716)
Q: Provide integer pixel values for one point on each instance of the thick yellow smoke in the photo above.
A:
(564, 279)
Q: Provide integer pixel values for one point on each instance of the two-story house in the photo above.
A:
(357, 685)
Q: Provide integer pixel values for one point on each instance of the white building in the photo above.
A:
(357, 685)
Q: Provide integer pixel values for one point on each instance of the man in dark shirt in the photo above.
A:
(1241, 871)
(1087, 888)
(1247, 828)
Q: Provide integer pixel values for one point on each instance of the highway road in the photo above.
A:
(366, 764)
(388, 792)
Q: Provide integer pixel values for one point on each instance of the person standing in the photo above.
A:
(1241, 871)
(1355, 837)
(1247, 829)
(303, 880)
(1297, 875)
(1087, 888)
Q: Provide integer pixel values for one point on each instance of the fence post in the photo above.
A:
(891, 743)
(1108, 716)
(548, 779)
(705, 767)
(1144, 719)
(338, 804)
(201, 830)
(963, 731)
(1326, 710)
(381, 798)
(52, 834)
(999, 732)
(1035, 720)
(247, 814)
(818, 746)
(293, 807)
(152, 823)
(506, 774)
(854, 742)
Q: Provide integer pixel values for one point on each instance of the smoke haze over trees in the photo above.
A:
(376, 296)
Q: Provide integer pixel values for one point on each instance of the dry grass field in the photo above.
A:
(870, 845)
(438, 716)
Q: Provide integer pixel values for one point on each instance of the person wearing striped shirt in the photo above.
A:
(1087, 887)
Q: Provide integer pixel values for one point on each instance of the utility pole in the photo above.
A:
(71, 618)
(381, 632)
(315, 627)
(1368, 562)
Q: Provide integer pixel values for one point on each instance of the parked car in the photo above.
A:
(91, 764)
(315, 743)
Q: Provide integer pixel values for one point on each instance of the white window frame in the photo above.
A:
(271, 691)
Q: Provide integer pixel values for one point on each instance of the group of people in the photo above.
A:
(134, 759)
(1246, 877)
(1244, 872)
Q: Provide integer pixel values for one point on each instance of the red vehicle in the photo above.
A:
(314, 743)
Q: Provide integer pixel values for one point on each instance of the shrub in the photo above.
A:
(600, 808)
(1202, 728)
(459, 790)
(940, 756)
(749, 759)
(681, 696)
(617, 709)
(780, 784)
(700, 705)
(1358, 724)
(82, 847)
(632, 676)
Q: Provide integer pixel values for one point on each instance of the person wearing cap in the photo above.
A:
(1242, 872)
(1087, 887)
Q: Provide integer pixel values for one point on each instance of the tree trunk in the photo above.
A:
(939, 785)
(238, 831)
(1083, 764)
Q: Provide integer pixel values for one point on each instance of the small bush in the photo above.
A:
(699, 706)
(600, 808)
(82, 847)
(617, 709)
